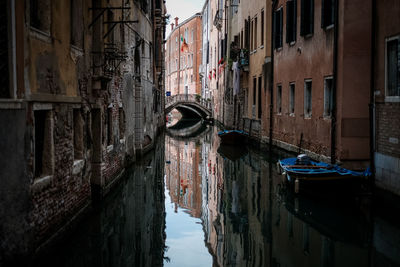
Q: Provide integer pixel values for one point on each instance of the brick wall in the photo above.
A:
(387, 156)
(388, 129)
(55, 201)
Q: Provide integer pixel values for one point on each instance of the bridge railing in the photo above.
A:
(170, 100)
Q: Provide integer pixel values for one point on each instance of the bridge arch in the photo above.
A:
(189, 103)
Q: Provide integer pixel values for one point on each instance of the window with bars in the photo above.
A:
(307, 17)
(291, 21)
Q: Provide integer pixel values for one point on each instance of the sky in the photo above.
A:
(182, 9)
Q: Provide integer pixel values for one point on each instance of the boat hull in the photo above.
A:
(320, 178)
(232, 137)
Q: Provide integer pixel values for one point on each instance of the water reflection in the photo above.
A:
(192, 202)
(127, 229)
(250, 219)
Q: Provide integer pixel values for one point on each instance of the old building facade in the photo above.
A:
(321, 79)
(78, 105)
(183, 57)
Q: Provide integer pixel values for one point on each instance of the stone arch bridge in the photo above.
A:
(189, 105)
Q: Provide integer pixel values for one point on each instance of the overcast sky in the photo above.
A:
(182, 9)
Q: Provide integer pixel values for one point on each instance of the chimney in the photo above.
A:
(172, 26)
(176, 21)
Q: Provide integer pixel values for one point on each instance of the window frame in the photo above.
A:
(307, 113)
(291, 40)
(292, 99)
(279, 99)
(387, 97)
(304, 30)
(280, 12)
(328, 114)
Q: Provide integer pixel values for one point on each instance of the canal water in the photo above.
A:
(194, 202)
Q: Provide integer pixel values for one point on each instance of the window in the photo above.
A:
(247, 34)
(279, 99)
(328, 96)
(241, 39)
(307, 98)
(40, 15)
(307, 17)
(327, 13)
(259, 97)
(76, 23)
(251, 35)
(278, 20)
(4, 59)
(254, 90)
(110, 127)
(262, 27)
(78, 134)
(44, 147)
(176, 43)
(393, 67)
(255, 34)
(291, 21)
(122, 121)
(292, 99)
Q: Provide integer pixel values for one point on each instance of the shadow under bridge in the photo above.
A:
(189, 105)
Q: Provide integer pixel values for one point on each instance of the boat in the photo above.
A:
(232, 137)
(305, 174)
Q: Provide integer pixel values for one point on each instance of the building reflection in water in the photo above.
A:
(127, 229)
(250, 219)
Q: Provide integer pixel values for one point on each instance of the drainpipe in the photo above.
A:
(271, 105)
(334, 93)
(372, 97)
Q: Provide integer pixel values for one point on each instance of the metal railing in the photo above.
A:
(188, 98)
